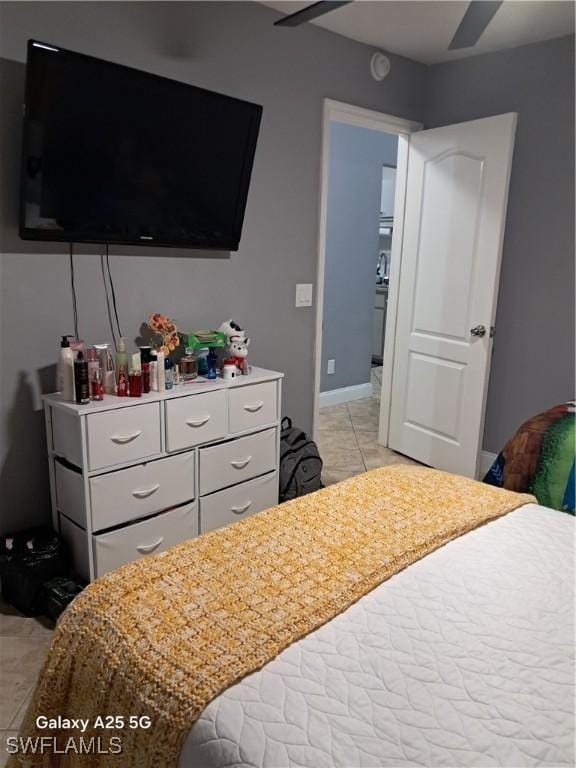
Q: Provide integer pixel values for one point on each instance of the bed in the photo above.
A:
(402, 618)
(463, 659)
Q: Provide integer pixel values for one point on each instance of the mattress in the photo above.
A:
(465, 658)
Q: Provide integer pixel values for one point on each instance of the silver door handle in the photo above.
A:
(242, 509)
(241, 463)
(478, 330)
(145, 549)
(145, 492)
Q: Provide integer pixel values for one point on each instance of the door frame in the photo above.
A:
(341, 112)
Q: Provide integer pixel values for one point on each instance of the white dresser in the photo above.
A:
(132, 476)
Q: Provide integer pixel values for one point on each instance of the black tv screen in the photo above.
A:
(115, 155)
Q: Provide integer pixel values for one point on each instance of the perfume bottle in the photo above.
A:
(122, 386)
(168, 373)
(135, 383)
(97, 385)
(188, 366)
(212, 361)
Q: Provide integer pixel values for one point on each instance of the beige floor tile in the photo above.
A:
(3, 752)
(20, 662)
(334, 417)
(333, 476)
(365, 414)
(339, 450)
(343, 458)
(14, 624)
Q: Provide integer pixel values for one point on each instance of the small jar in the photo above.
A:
(188, 366)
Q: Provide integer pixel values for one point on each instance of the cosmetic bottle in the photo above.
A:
(161, 372)
(93, 366)
(168, 373)
(176, 375)
(122, 386)
(106, 368)
(135, 383)
(188, 366)
(81, 381)
(153, 373)
(65, 371)
(121, 358)
(97, 386)
(145, 366)
(202, 357)
(212, 361)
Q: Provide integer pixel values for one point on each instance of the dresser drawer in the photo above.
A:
(252, 406)
(128, 494)
(113, 549)
(70, 499)
(233, 504)
(237, 460)
(123, 435)
(196, 419)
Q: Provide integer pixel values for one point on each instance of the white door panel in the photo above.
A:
(456, 194)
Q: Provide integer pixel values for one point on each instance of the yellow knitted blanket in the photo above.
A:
(161, 637)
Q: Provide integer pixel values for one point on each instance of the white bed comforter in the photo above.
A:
(463, 659)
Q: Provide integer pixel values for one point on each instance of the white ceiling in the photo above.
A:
(423, 29)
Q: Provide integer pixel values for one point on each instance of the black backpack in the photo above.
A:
(300, 463)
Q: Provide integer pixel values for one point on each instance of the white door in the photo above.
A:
(456, 195)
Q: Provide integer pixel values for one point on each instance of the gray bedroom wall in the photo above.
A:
(230, 47)
(533, 361)
(355, 165)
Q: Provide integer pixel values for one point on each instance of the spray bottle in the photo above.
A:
(121, 358)
(65, 370)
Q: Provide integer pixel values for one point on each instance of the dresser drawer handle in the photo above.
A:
(241, 463)
(145, 492)
(198, 422)
(145, 549)
(121, 439)
(253, 407)
(242, 509)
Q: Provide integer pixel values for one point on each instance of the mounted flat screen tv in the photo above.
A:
(115, 155)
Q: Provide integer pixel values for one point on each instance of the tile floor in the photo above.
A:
(348, 437)
(23, 646)
(348, 444)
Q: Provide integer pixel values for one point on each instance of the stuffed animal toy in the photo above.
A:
(238, 342)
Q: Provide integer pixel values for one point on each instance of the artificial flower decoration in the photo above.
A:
(164, 328)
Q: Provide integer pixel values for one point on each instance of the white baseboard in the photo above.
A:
(345, 394)
(486, 461)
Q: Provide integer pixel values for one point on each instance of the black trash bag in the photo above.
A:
(27, 560)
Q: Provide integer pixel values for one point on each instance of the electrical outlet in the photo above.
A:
(331, 364)
(304, 294)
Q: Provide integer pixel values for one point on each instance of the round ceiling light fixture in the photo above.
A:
(379, 66)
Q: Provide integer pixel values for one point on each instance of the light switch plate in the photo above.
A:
(304, 294)
(331, 366)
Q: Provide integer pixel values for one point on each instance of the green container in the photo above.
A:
(201, 339)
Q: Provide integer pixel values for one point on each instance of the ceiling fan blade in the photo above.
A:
(310, 12)
(477, 17)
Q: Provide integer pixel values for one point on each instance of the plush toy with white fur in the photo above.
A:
(238, 342)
